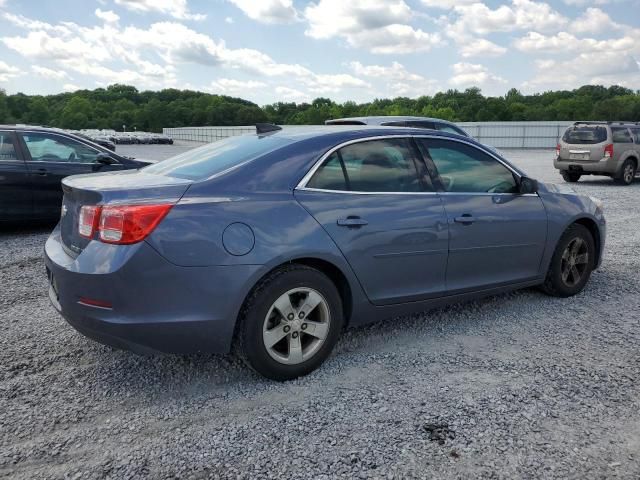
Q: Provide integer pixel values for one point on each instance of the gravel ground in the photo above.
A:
(514, 386)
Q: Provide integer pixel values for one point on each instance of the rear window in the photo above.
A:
(217, 157)
(585, 135)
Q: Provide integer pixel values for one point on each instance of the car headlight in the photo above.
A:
(598, 203)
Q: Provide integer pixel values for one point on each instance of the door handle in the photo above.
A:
(465, 219)
(352, 221)
(42, 172)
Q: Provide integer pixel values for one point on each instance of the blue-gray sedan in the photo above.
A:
(273, 243)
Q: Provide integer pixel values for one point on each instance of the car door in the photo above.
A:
(51, 157)
(496, 235)
(16, 200)
(378, 205)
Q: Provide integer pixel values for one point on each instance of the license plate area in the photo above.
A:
(579, 156)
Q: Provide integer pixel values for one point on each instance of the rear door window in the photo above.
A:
(372, 166)
(621, 135)
(585, 135)
(636, 134)
(45, 147)
(7, 147)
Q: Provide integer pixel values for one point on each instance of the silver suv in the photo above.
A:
(599, 148)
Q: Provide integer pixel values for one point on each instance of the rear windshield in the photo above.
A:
(216, 157)
(585, 135)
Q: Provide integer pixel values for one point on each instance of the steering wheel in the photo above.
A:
(447, 182)
(72, 157)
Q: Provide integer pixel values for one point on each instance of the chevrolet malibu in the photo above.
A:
(271, 244)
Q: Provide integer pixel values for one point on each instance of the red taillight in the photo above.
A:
(88, 223)
(608, 151)
(128, 224)
(558, 150)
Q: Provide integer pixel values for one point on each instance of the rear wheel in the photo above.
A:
(570, 177)
(572, 263)
(627, 172)
(290, 323)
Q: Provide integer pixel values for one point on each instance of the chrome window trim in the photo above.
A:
(302, 185)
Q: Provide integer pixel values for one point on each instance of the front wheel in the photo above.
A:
(572, 263)
(290, 323)
(627, 173)
(570, 177)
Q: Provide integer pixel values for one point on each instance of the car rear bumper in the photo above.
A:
(604, 166)
(147, 303)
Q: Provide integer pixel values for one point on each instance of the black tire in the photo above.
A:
(555, 284)
(249, 344)
(627, 172)
(570, 177)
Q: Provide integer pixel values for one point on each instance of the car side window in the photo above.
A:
(44, 147)
(636, 134)
(621, 135)
(370, 166)
(466, 169)
(7, 148)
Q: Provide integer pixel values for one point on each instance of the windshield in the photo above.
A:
(585, 135)
(216, 157)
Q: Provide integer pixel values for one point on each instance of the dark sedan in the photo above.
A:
(33, 162)
(276, 241)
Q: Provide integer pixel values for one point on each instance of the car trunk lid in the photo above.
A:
(124, 188)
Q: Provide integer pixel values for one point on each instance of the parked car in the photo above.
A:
(99, 139)
(599, 148)
(402, 121)
(278, 240)
(34, 160)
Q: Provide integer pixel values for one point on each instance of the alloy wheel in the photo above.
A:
(628, 173)
(575, 260)
(296, 326)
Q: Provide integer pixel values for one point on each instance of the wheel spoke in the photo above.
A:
(566, 254)
(295, 349)
(565, 273)
(317, 329)
(575, 248)
(283, 305)
(273, 336)
(311, 302)
(575, 274)
(582, 258)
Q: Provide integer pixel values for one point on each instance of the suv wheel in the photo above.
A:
(290, 323)
(570, 177)
(627, 172)
(572, 263)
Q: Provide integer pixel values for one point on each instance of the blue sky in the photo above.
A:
(283, 50)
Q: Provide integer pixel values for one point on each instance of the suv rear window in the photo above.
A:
(213, 158)
(585, 135)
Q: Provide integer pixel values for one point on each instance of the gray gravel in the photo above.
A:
(514, 386)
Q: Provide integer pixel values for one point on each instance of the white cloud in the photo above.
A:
(7, 72)
(49, 73)
(481, 47)
(175, 8)
(292, 94)
(564, 42)
(234, 87)
(473, 75)
(107, 15)
(376, 25)
(70, 87)
(593, 20)
(396, 79)
(446, 4)
(228, 20)
(268, 11)
(602, 68)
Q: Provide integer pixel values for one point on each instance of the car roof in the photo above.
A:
(377, 120)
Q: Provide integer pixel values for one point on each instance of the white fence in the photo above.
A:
(497, 134)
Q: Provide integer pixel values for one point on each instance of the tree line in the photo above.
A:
(123, 105)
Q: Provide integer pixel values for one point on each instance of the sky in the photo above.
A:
(283, 50)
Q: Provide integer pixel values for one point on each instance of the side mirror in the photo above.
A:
(528, 185)
(105, 159)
